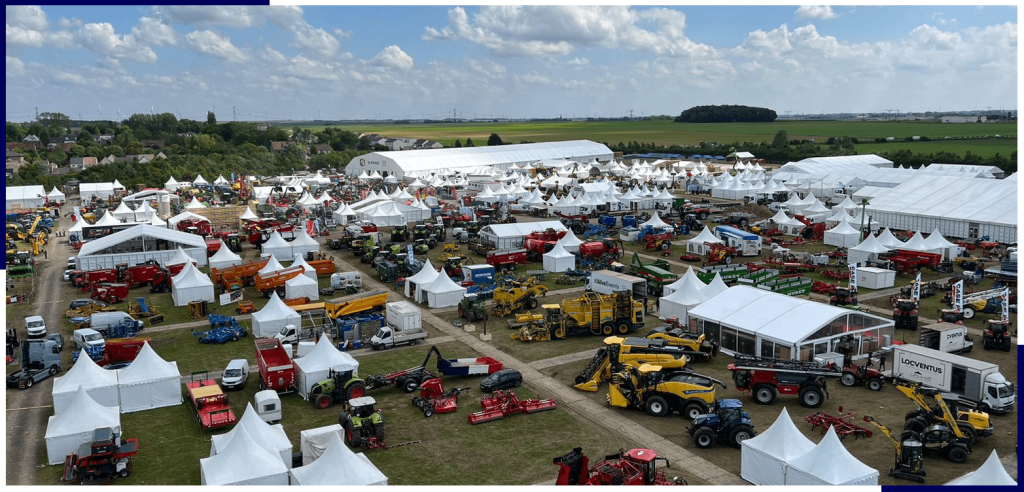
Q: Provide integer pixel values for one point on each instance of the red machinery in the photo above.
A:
(908, 261)
(548, 234)
(119, 350)
(633, 467)
(500, 404)
(434, 399)
(84, 282)
(260, 235)
(765, 378)
(110, 293)
(689, 257)
(209, 402)
(276, 369)
(508, 260)
(195, 226)
(658, 241)
(824, 288)
(595, 249)
(839, 423)
(835, 274)
(212, 246)
(149, 273)
(720, 253)
(100, 460)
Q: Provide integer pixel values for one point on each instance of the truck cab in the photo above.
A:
(290, 333)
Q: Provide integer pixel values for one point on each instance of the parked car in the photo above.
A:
(77, 303)
(67, 274)
(501, 380)
(235, 374)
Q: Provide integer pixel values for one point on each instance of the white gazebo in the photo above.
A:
(191, 285)
(68, 430)
(149, 382)
(224, 258)
(764, 459)
(842, 235)
(443, 292)
(558, 259)
(275, 315)
(99, 383)
(301, 286)
(414, 284)
(696, 245)
(829, 463)
(319, 362)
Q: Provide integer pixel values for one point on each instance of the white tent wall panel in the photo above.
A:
(96, 262)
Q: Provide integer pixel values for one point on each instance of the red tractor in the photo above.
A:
(195, 226)
(766, 378)
(633, 467)
(854, 374)
(149, 273)
(606, 246)
(110, 293)
(659, 241)
(720, 253)
(843, 296)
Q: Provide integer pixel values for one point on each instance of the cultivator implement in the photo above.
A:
(500, 404)
(839, 423)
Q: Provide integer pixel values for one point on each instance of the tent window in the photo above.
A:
(729, 339)
(746, 344)
(783, 352)
(712, 330)
(767, 348)
(972, 230)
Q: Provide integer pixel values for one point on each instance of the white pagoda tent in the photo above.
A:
(317, 364)
(272, 266)
(415, 283)
(696, 245)
(887, 239)
(338, 465)
(443, 292)
(558, 259)
(68, 430)
(991, 472)
(570, 242)
(270, 437)
(194, 204)
(936, 241)
(863, 251)
(764, 459)
(829, 463)
(149, 382)
(224, 258)
(191, 285)
(275, 315)
(277, 247)
(301, 286)
(99, 383)
(242, 461)
(842, 235)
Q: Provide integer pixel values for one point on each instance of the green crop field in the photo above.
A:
(671, 133)
(984, 148)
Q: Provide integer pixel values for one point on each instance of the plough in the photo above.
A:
(839, 423)
(836, 274)
(501, 404)
(825, 288)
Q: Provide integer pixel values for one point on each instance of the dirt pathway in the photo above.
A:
(28, 410)
(580, 405)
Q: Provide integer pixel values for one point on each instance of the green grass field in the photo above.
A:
(670, 133)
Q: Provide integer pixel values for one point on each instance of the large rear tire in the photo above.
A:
(323, 401)
(410, 385)
(875, 384)
(694, 409)
(848, 379)
(739, 434)
(811, 397)
(958, 454)
(764, 394)
(704, 438)
(357, 390)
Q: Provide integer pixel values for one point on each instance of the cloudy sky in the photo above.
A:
(415, 62)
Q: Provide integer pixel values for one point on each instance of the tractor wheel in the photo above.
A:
(607, 328)
(28, 383)
(968, 312)
(54, 370)
(348, 439)
(124, 473)
(739, 434)
(910, 435)
(623, 328)
(471, 315)
(811, 397)
(764, 394)
(263, 385)
(234, 338)
(357, 390)
(848, 379)
(531, 303)
(875, 384)
(657, 406)
(958, 454)
(1006, 345)
(987, 343)
(665, 246)
(410, 385)
(428, 410)
(917, 424)
(323, 401)
(705, 437)
(728, 260)
(703, 216)
(694, 409)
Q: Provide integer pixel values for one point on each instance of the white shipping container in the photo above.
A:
(875, 278)
(404, 316)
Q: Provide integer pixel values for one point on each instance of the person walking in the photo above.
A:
(881, 361)
(45, 256)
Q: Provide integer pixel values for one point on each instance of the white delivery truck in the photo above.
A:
(946, 337)
(607, 281)
(972, 380)
(403, 324)
(103, 320)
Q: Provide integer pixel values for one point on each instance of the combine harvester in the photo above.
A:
(634, 467)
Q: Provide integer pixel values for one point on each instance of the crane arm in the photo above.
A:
(888, 433)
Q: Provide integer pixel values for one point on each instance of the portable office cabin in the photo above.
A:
(746, 243)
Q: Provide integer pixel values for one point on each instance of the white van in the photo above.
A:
(35, 326)
(235, 374)
(101, 321)
(88, 337)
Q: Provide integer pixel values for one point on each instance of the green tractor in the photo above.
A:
(420, 231)
(472, 308)
(370, 254)
(233, 242)
(339, 386)
(399, 234)
(421, 247)
(363, 424)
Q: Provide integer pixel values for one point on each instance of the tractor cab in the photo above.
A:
(954, 316)
(362, 407)
(997, 335)
(421, 247)
(420, 231)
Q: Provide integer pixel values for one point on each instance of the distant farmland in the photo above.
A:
(670, 133)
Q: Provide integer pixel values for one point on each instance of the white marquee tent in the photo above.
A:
(414, 284)
(917, 243)
(149, 382)
(887, 239)
(307, 269)
(558, 259)
(270, 437)
(139, 244)
(570, 242)
(272, 266)
(275, 315)
(68, 430)
(842, 235)
(443, 292)
(829, 463)
(338, 465)
(191, 285)
(56, 195)
(384, 214)
(224, 258)
(277, 247)
(696, 244)
(317, 364)
(303, 243)
(100, 383)
(863, 251)
(991, 472)
(764, 459)
(242, 461)
(313, 442)
(936, 241)
(688, 293)
(301, 286)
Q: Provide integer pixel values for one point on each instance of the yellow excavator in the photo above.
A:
(632, 351)
(676, 334)
(909, 463)
(967, 423)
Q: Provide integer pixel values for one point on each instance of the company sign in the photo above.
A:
(926, 370)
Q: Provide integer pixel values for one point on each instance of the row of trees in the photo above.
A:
(725, 114)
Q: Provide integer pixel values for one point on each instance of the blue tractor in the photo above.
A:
(608, 221)
(729, 423)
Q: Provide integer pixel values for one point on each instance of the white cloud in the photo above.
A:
(533, 78)
(153, 31)
(315, 39)
(19, 36)
(393, 56)
(201, 16)
(537, 31)
(27, 16)
(102, 39)
(823, 12)
(926, 36)
(70, 23)
(342, 33)
(578, 62)
(15, 66)
(215, 44)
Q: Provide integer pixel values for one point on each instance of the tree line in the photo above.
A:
(728, 113)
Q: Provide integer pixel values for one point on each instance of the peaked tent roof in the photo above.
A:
(224, 255)
(108, 219)
(241, 460)
(917, 243)
(991, 472)
(782, 440)
(275, 241)
(147, 366)
(888, 240)
(272, 266)
(339, 466)
(82, 415)
(274, 309)
(937, 241)
(325, 354)
(302, 238)
(55, 193)
(558, 251)
(443, 284)
(871, 245)
(569, 240)
(426, 275)
(781, 218)
(832, 463)
(179, 258)
(655, 221)
(194, 204)
(190, 276)
(299, 281)
(270, 437)
(705, 236)
(843, 227)
(684, 280)
(85, 374)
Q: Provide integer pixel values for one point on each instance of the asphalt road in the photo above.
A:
(28, 410)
